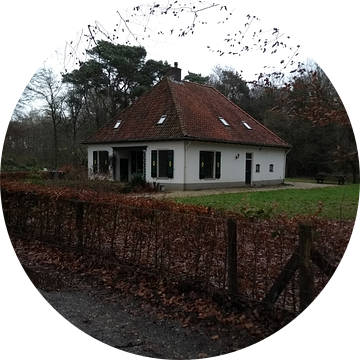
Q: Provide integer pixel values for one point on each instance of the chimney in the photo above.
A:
(174, 72)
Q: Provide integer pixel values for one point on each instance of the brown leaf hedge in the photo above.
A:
(184, 240)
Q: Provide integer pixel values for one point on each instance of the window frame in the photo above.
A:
(224, 122)
(100, 161)
(246, 125)
(117, 125)
(161, 173)
(162, 119)
(209, 164)
(163, 163)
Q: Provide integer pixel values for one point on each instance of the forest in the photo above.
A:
(303, 108)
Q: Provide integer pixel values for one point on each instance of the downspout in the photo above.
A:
(286, 152)
(185, 162)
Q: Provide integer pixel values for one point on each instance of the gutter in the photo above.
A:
(187, 138)
(185, 161)
(286, 152)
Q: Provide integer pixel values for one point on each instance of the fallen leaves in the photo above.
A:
(248, 325)
(154, 293)
(202, 355)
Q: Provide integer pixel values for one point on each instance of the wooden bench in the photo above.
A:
(320, 178)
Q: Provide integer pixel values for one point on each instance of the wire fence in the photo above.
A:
(180, 243)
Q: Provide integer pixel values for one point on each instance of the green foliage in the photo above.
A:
(35, 178)
(137, 180)
(10, 164)
(196, 78)
(231, 84)
(118, 74)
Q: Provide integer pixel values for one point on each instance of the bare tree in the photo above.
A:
(46, 87)
(140, 22)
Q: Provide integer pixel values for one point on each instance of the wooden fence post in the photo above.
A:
(232, 257)
(283, 279)
(306, 278)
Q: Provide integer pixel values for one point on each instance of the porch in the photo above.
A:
(128, 161)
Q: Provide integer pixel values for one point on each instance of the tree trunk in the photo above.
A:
(354, 171)
(56, 149)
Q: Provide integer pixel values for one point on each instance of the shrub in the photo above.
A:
(137, 180)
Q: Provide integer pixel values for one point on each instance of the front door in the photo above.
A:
(124, 170)
(248, 166)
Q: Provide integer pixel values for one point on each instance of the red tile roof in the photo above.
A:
(193, 112)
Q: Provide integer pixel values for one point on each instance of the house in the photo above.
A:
(187, 136)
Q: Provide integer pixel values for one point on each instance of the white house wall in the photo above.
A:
(187, 163)
(233, 159)
(265, 157)
(98, 147)
(123, 151)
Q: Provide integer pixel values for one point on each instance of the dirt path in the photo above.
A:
(128, 323)
(122, 324)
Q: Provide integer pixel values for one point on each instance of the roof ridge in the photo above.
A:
(177, 106)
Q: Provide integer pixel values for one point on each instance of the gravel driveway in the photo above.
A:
(287, 185)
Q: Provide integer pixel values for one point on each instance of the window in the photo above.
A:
(162, 119)
(162, 164)
(247, 125)
(223, 121)
(117, 124)
(137, 161)
(257, 168)
(271, 168)
(100, 161)
(210, 165)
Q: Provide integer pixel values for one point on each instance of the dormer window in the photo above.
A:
(223, 121)
(162, 119)
(247, 125)
(118, 123)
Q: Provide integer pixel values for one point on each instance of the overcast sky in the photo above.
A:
(198, 52)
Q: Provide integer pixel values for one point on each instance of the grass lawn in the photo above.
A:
(300, 180)
(338, 202)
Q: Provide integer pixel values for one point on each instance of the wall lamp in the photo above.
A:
(237, 156)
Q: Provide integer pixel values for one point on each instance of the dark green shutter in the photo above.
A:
(202, 165)
(94, 161)
(217, 165)
(170, 171)
(154, 163)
